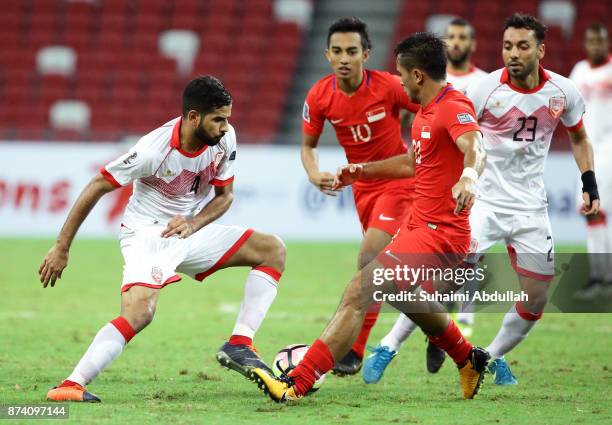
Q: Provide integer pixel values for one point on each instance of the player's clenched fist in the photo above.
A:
(324, 182)
(464, 192)
(52, 266)
(180, 226)
(347, 175)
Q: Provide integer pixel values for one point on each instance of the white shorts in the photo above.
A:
(528, 239)
(153, 261)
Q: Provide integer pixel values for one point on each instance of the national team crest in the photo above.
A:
(556, 106)
(426, 132)
(157, 274)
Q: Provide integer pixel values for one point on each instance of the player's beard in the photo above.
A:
(599, 59)
(203, 137)
(460, 60)
(523, 72)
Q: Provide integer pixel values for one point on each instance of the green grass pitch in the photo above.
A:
(168, 373)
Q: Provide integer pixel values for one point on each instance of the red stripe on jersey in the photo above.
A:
(221, 183)
(544, 77)
(181, 184)
(225, 257)
(175, 141)
(109, 177)
(576, 127)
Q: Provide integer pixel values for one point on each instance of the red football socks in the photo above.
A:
(68, 383)
(317, 361)
(453, 342)
(241, 340)
(368, 323)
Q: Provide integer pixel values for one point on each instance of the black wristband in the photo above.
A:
(589, 184)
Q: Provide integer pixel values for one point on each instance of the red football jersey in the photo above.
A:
(439, 162)
(366, 123)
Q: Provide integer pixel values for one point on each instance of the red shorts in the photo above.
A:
(423, 247)
(384, 209)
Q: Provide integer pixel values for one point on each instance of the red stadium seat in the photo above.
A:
(119, 66)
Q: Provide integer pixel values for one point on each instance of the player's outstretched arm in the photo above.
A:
(57, 258)
(322, 180)
(583, 154)
(185, 227)
(395, 167)
(474, 160)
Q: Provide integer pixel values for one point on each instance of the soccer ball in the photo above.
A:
(288, 358)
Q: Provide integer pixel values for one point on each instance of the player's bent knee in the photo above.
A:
(275, 252)
(138, 306)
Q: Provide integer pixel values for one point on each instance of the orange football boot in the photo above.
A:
(72, 393)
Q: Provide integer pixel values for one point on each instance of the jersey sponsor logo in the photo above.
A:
(306, 112)
(556, 106)
(465, 118)
(383, 217)
(376, 114)
(334, 122)
(130, 158)
(426, 132)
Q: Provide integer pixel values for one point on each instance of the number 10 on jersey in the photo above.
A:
(361, 133)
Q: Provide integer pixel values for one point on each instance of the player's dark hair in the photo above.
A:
(425, 51)
(205, 94)
(352, 24)
(521, 20)
(597, 27)
(460, 22)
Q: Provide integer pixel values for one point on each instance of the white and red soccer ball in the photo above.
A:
(288, 358)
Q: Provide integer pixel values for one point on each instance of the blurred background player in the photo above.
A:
(517, 106)
(461, 44)
(460, 72)
(167, 227)
(446, 159)
(364, 107)
(593, 76)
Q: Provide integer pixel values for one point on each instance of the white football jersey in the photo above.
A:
(169, 181)
(517, 127)
(595, 84)
(461, 81)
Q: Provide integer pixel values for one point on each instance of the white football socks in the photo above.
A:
(597, 246)
(513, 330)
(400, 332)
(259, 293)
(106, 347)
